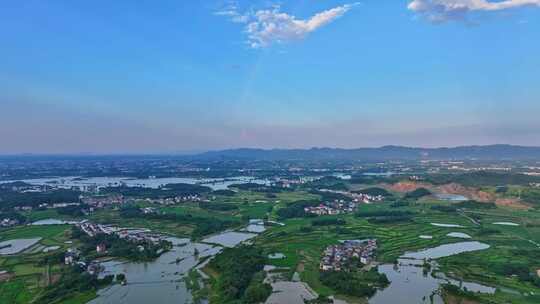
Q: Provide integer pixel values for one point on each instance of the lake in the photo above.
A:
(74, 181)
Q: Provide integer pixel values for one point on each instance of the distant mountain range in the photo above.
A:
(492, 152)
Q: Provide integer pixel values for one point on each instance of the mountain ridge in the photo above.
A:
(487, 152)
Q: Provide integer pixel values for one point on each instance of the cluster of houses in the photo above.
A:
(366, 198)
(331, 208)
(176, 200)
(73, 257)
(134, 235)
(342, 206)
(357, 197)
(8, 222)
(46, 206)
(289, 183)
(101, 201)
(338, 257)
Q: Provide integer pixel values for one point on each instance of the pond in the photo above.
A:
(276, 256)
(409, 284)
(451, 197)
(53, 222)
(287, 291)
(459, 235)
(229, 239)
(506, 223)
(447, 225)
(17, 245)
(51, 248)
(446, 250)
(255, 228)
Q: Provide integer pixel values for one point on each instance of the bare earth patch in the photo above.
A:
(513, 203)
(6, 276)
(457, 189)
(451, 299)
(406, 186)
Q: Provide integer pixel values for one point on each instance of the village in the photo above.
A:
(339, 257)
(73, 256)
(134, 235)
(342, 206)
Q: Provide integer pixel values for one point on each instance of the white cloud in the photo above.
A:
(231, 11)
(444, 10)
(268, 26)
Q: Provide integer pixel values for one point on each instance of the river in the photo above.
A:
(81, 182)
(162, 281)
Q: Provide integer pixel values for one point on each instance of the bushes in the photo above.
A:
(383, 213)
(327, 222)
(358, 284)
(218, 206)
(386, 216)
(475, 205)
(455, 290)
(237, 268)
(389, 219)
(74, 280)
(228, 193)
(72, 210)
(417, 194)
(295, 209)
(330, 196)
(483, 178)
(257, 292)
(11, 199)
(444, 208)
(488, 231)
(531, 196)
(400, 204)
(203, 225)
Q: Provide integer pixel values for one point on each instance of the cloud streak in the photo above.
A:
(271, 26)
(446, 10)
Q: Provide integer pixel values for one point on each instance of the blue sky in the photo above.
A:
(146, 76)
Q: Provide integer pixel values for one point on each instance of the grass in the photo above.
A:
(45, 232)
(79, 298)
(28, 280)
(303, 248)
(18, 290)
(167, 227)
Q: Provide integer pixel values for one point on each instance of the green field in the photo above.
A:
(30, 277)
(303, 249)
(302, 243)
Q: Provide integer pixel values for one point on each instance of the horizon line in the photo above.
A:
(194, 152)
